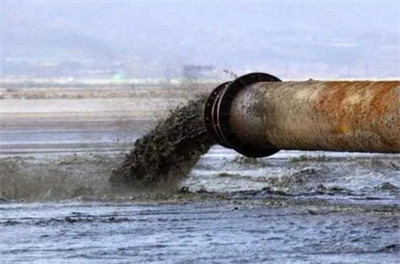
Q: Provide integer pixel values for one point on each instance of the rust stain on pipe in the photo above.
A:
(352, 106)
(361, 116)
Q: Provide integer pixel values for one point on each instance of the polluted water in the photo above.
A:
(168, 152)
(292, 207)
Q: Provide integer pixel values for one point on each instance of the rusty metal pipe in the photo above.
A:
(258, 117)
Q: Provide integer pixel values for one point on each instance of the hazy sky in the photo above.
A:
(294, 39)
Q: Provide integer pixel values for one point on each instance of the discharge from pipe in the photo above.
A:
(257, 115)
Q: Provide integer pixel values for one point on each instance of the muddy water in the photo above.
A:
(290, 208)
(213, 232)
(169, 151)
(57, 205)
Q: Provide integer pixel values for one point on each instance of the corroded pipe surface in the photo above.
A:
(362, 116)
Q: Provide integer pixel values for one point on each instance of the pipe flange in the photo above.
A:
(210, 114)
(222, 109)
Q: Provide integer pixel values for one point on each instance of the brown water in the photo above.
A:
(169, 151)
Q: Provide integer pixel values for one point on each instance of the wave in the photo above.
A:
(56, 178)
(85, 177)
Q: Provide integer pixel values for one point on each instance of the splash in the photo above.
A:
(168, 152)
(56, 178)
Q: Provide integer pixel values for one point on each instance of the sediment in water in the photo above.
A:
(169, 151)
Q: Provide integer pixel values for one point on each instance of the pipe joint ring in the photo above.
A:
(217, 114)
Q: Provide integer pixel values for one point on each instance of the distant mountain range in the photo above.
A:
(155, 39)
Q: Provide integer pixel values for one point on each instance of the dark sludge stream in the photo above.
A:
(168, 152)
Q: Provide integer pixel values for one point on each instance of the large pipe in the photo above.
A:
(257, 115)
